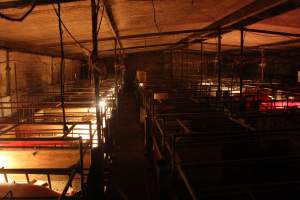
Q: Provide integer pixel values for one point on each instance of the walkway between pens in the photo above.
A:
(132, 175)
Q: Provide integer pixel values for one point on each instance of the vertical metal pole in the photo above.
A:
(94, 60)
(171, 64)
(62, 69)
(201, 66)
(148, 135)
(49, 181)
(81, 164)
(187, 74)
(91, 133)
(16, 88)
(181, 73)
(219, 63)
(241, 63)
(100, 155)
(115, 60)
(8, 89)
(52, 71)
(27, 178)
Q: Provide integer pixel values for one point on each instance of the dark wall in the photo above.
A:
(151, 62)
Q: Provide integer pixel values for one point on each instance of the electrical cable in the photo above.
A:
(154, 16)
(21, 18)
(98, 6)
(100, 22)
(70, 34)
(62, 89)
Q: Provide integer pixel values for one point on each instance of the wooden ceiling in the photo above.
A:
(146, 25)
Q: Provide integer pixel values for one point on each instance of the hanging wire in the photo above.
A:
(70, 34)
(154, 16)
(100, 22)
(98, 6)
(62, 88)
(22, 17)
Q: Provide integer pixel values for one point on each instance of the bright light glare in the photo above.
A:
(82, 130)
(291, 98)
(102, 104)
(3, 161)
(141, 84)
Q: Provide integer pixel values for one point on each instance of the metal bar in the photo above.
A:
(161, 131)
(66, 133)
(157, 148)
(94, 61)
(202, 62)
(5, 177)
(63, 194)
(187, 183)
(111, 23)
(54, 171)
(22, 3)
(27, 178)
(8, 69)
(81, 164)
(49, 181)
(241, 63)
(239, 15)
(272, 32)
(16, 84)
(91, 133)
(173, 153)
(137, 36)
(183, 126)
(39, 139)
(250, 161)
(219, 63)
(94, 57)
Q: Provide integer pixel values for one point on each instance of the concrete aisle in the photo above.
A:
(132, 176)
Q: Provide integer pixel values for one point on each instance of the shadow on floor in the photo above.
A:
(132, 175)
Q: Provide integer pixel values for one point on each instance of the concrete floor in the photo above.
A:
(132, 175)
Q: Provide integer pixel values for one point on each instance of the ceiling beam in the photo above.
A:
(282, 43)
(111, 23)
(268, 13)
(28, 48)
(22, 3)
(238, 18)
(135, 36)
(272, 32)
(167, 44)
(274, 11)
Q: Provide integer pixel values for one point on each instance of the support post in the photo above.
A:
(95, 181)
(170, 64)
(148, 135)
(219, 63)
(201, 66)
(241, 63)
(8, 85)
(96, 75)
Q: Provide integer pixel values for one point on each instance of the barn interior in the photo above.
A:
(150, 99)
